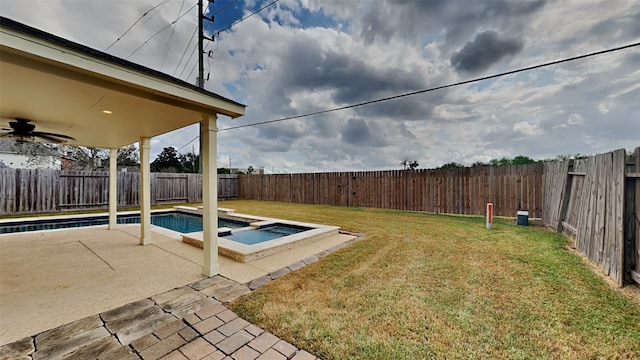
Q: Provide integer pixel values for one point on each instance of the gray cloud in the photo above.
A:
(458, 19)
(357, 132)
(308, 67)
(485, 50)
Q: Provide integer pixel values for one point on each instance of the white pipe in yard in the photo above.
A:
(489, 215)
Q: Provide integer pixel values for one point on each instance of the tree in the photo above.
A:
(129, 156)
(452, 165)
(190, 162)
(409, 164)
(167, 161)
(38, 154)
(224, 171)
(522, 160)
(86, 158)
(250, 170)
(478, 164)
(499, 162)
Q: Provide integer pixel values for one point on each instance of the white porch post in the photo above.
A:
(145, 192)
(209, 135)
(113, 189)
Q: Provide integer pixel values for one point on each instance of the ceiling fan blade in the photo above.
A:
(48, 137)
(45, 134)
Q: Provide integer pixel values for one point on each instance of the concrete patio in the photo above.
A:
(53, 278)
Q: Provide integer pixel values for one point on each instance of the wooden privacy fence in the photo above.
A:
(33, 191)
(597, 202)
(454, 191)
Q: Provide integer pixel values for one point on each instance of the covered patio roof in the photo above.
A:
(107, 102)
(63, 87)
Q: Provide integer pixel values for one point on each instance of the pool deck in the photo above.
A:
(54, 278)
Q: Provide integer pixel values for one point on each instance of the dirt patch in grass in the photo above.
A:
(436, 286)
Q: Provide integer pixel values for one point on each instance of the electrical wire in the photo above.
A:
(437, 87)
(225, 7)
(168, 46)
(185, 51)
(190, 141)
(192, 69)
(193, 36)
(246, 17)
(162, 29)
(134, 24)
(195, 50)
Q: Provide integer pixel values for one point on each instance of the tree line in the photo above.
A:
(518, 160)
(89, 158)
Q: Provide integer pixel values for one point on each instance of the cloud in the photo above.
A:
(357, 132)
(527, 129)
(303, 56)
(485, 50)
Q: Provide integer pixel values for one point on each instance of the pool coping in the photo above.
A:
(248, 253)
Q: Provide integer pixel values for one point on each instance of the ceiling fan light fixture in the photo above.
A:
(20, 138)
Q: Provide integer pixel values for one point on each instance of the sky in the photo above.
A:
(302, 56)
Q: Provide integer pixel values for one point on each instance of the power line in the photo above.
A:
(159, 31)
(437, 87)
(225, 7)
(134, 24)
(195, 30)
(190, 141)
(168, 46)
(246, 17)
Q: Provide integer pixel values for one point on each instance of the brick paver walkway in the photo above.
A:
(190, 322)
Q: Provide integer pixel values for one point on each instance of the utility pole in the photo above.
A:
(201, 39)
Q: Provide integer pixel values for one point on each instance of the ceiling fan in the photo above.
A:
(23, 131)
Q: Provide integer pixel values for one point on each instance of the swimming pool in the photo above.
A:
(241, 237)
(266, 233)
(178, 221)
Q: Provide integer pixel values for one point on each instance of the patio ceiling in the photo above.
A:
(63, 87)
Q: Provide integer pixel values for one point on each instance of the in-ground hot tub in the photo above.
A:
(263, 237)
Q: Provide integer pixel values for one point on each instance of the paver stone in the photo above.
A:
(143, 328)
(197, 349)
(125, 310)
(272, 355)
(245, 353)
(264, 342)
(131, 319)
(52, 337)
(234, 342)
(62, 347)
(279, 273)
(233, 327)
(162, 348)
(107, 348)
(297, 266)
(17, 349)
(303, 355)
(285, 348)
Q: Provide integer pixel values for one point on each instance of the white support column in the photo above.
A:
(113, 189)
(209, 135)
(145, 192)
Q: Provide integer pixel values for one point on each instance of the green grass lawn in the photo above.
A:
(434, 286)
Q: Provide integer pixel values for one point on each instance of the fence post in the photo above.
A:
(566, 196)
(632, 222)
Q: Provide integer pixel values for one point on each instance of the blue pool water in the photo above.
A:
(255, 236)
(177, 221)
